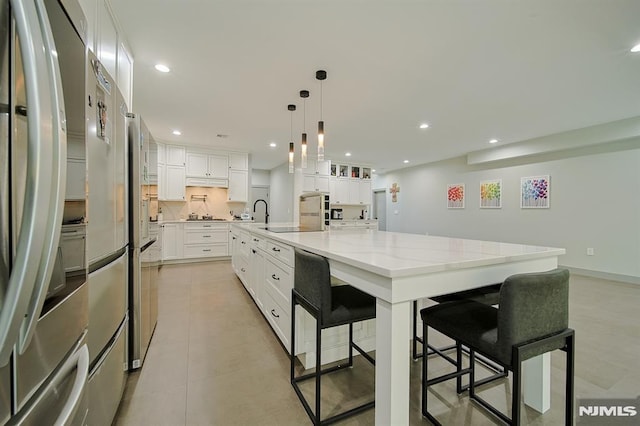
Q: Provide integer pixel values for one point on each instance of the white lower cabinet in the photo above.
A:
(205, 239)
(256, 281)
(192, 240)
(266, 269)
(172, 241)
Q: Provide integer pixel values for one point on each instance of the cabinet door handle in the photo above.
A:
(256, 240)
(233, 238)
(274, 277)
(206, 236)
(208, 250)
(273, 312)
(244, 242)
(243, 270)
(275, 249)
(253, 251)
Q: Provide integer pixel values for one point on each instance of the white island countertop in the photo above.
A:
(398, 268)
(395, 254)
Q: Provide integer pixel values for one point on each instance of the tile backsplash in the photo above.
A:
(201, 201)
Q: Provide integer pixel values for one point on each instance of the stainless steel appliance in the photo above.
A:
(106, 241)
(44, 359)
(336, 214)
(314, 211)
(145, 256)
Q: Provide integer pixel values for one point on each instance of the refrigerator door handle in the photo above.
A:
(80, 359)
(58, 184)
(38, 189)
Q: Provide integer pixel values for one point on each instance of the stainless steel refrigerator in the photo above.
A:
(144, 255)
(44, 360)
(107, 251)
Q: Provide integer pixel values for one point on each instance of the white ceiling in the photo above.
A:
(474, 70)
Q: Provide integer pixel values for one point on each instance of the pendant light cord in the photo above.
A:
(320, 100)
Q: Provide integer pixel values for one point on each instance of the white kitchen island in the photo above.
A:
(398, 268)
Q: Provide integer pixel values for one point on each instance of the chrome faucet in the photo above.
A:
(266, 210)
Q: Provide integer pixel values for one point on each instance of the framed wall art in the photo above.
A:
(455, 196)
(534, 192)
(491, 194)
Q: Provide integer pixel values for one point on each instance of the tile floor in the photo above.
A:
(215, 361)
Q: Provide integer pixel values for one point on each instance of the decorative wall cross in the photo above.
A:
(394, 192)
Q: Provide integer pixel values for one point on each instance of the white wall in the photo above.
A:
(281, 196)
(260, 177)
(594, 202)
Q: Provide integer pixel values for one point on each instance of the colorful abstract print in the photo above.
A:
(491, 194)
(455, 196)
(534, 192)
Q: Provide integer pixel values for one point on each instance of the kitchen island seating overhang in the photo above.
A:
(398, 268)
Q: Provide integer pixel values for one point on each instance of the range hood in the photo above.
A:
(207, 183)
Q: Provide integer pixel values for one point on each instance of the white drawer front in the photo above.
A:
(207, 236)
(244, 243)
(205, 250)
(258, 242)
(278, 318)
(280, 278)
(281, 252)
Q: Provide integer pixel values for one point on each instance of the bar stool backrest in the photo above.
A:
(312, 280)
(532, 306)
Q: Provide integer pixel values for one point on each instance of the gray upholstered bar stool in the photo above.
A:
(489, 295)
(331, 306)
(532, 319)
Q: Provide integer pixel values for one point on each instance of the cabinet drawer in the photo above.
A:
(242, 270)
(210, 236)
(278, 318)
(280, 278)
(244, 244)
(281, 252)
(205, 250)
(258, 242)
(206, 225)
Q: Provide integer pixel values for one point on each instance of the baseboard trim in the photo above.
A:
(604, 275)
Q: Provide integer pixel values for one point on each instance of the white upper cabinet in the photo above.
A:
(207, 165)
(107, 39)
(124, 78)
(238, 161)
(175, 183)
(238, 185)
(175, 155)
(323, 167)
(162, 156)
(315, 183)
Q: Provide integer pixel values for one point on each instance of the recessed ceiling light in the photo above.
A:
(373, 170)
(177, 132)
(347, 154)
(405, 161)
(273, 144)
(493, 141)
(424, 126)
(162, 68)
(636, 48)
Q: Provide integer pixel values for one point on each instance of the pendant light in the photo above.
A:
(321, 75)
(291, 107)
(304, 94)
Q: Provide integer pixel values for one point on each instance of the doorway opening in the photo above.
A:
(380, 208)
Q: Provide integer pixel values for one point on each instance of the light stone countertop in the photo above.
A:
(201, 221)
(395, 254)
